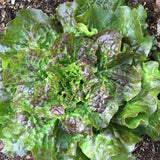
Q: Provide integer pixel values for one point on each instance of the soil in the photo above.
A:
(147, 149)
(144, 150)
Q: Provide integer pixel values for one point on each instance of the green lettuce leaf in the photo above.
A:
(153, 128)
(113, 142)
(156, 57)
(137, 111)
(132, 27)
(30, 29)
(97, 14)
(151, 77)
(65, 14)
(5, 109)
(36, 136)
(67, 146)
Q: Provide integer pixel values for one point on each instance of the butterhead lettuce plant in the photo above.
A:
(85, 89)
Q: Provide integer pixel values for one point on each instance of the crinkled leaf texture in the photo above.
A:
(112, 143)
(30, 29)
(81, 91)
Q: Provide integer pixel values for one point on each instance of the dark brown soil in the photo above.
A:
(146, 149)
(8, 11)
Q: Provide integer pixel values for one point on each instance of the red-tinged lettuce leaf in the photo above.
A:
(103, 50)
(45, 102)
(62, 49)
(65, 14)
(27, 67)
(78, 121)
(86, 52)
(123, 81)
(137, 111)
(101, 102)
(40, 99)
(89, 78)
(114, 142)
(68, 48)
(21, 99)
(109, 43)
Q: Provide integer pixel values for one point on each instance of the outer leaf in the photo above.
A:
(144, 105)
(111, 143)
(65, 14)
(151, 77)
(132, 27)
(153, 128)
(37, 136)
(5, 110)
(156, 56)
(30, 26)
(98, 14)
(66, 146)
